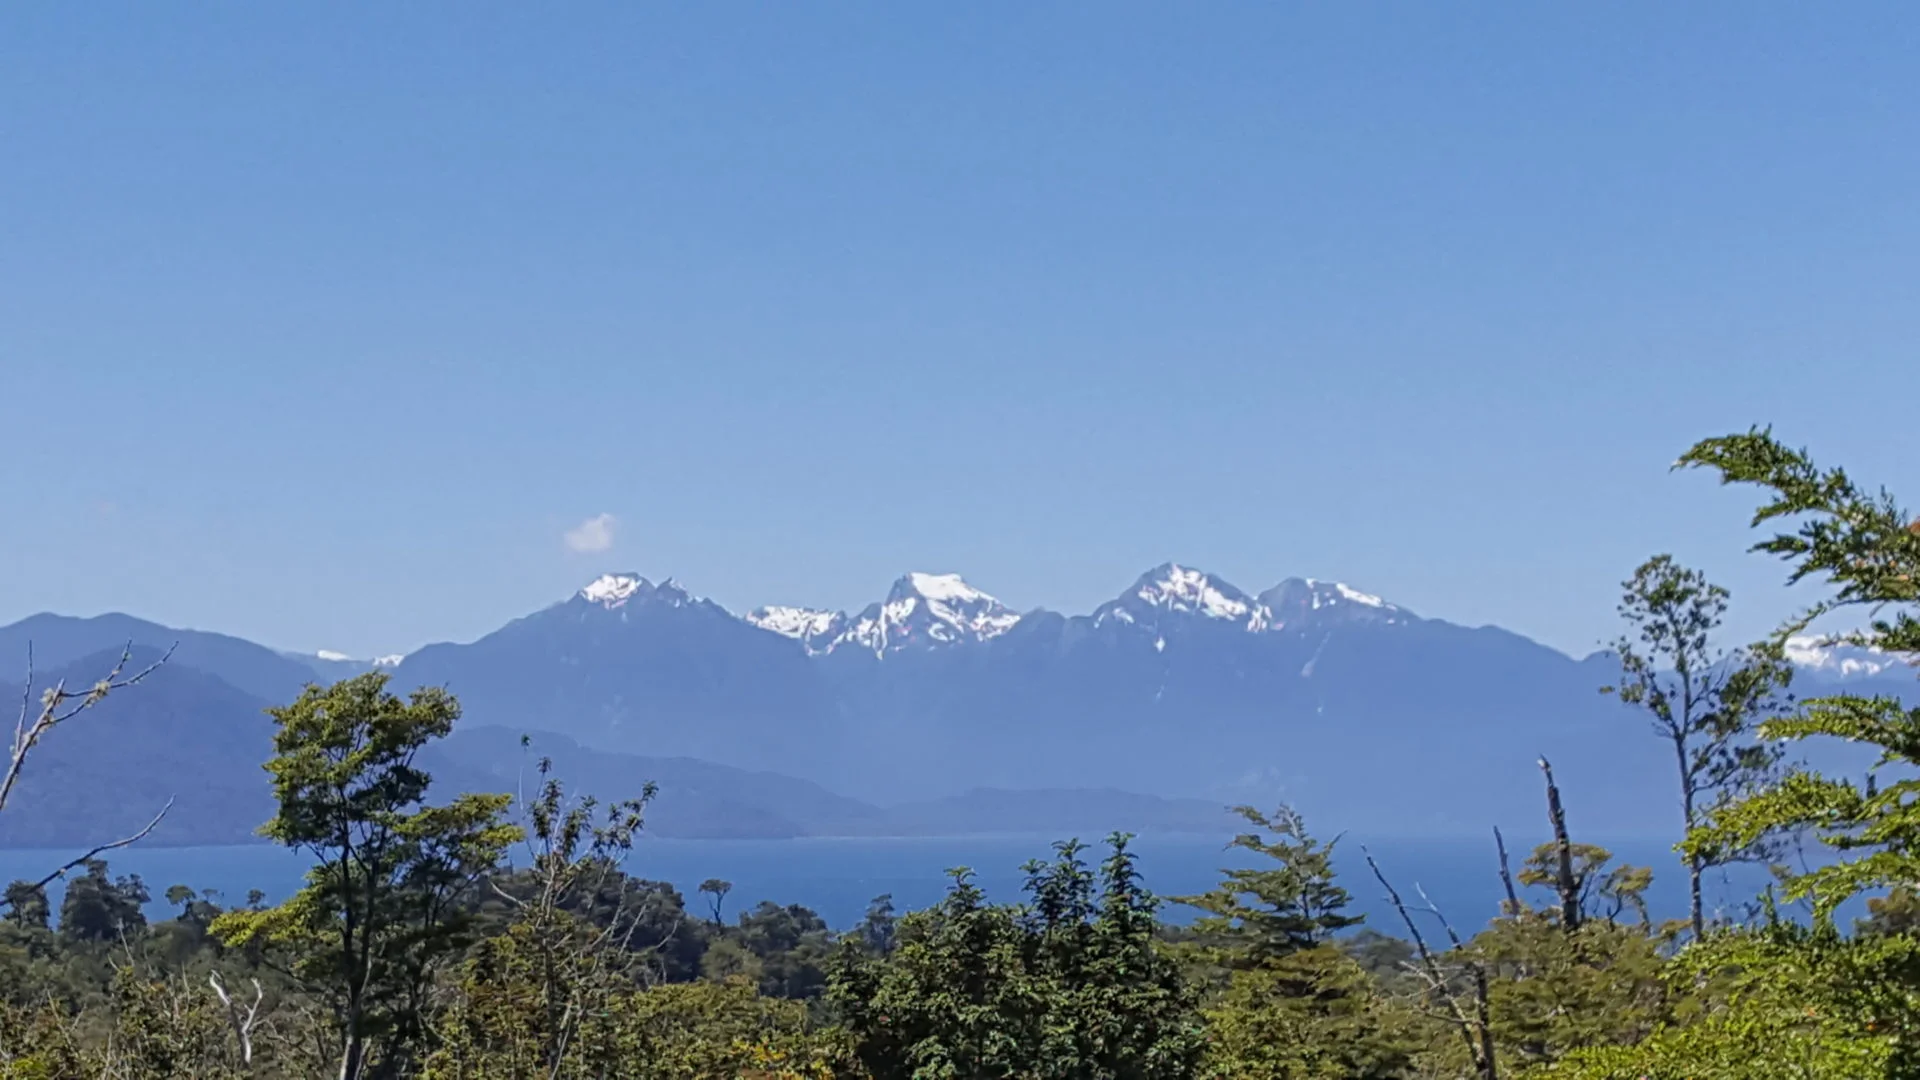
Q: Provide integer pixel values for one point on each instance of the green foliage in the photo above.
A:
(27, 905)
(98, 908)
(1780, 1001)
(1287, 1001)
(1313, 1014)
(381, 911)
(1869, 550)
(1070, 985)
(1605, 891)
(1704, 702)
(1273, 910)
(538, 998)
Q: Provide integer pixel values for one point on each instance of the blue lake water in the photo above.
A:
(837, 877)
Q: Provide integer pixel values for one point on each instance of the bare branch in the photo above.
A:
(1506, 874)
(1564, 882)
(1476, 1033)
(55, 710)
(110, 846)
(242, 1026)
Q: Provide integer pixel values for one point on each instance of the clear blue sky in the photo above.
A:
(323, 324)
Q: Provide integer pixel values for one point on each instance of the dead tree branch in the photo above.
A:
(1565, 883)
(59, 705)
(1475, 1031)
(1506, 874)
(1482, 996)
(97, 849)
(242, 1025)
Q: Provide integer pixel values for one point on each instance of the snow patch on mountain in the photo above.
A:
(920, 609)
(612, 590)
(933, 609)
(794, 622)
(332, 657)
(1354, 595)
(1840, 659)
(615, 591)
(1179, 588)
(1172, 590)
(816, 629)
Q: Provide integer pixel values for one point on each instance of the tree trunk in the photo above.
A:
(1693, 883)
(1564, 883)
(1686, 812)
(354, 1060)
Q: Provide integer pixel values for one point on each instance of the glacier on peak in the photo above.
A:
(612, 591)
(1175, 589)
(814, 628)
(1182, 588)
(921, 608)
(924, 609)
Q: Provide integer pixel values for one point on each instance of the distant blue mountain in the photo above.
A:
(1366, 715)
(57, 641)
(1363, 713)
(187, 736)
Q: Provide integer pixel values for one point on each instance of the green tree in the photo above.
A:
(792, 946)
(1780, 1000)
(98, 908)
(1704, 702)
(1290, 903)
(27, 905)
(1868, 550)
(716, 890)
(879, 927)
(383, 908)
(1288, 1001)
(536, 998)
(1070, 986)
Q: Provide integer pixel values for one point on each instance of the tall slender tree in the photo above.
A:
(1704, 702)
(384, 906)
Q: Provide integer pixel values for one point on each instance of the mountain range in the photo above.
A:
(937, 708)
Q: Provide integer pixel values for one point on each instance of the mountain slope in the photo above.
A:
(180, 734)
(1310, 691)
(632, 666)
(58, 641)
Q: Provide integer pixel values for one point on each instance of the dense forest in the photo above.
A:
(476, 937)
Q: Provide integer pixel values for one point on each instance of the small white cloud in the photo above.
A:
(593, 534)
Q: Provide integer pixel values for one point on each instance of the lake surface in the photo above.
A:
(837, 877)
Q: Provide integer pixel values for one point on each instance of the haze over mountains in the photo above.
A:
(936, 709)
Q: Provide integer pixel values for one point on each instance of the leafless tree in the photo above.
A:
(57, 706)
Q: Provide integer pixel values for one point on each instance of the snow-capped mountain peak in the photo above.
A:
(931, 609)
(921, 609)
(612, 591)
(1183, 592)
(1172, 589)
(950, 588)
(1300, 599)
(817, 629)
